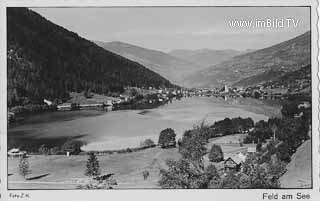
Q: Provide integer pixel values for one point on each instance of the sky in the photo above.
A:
(169, 28)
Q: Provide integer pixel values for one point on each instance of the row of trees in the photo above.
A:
(71, 146)
(231, 126)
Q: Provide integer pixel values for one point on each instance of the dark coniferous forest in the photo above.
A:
(48, 61)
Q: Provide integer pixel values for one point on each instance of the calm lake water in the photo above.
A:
(122, 129)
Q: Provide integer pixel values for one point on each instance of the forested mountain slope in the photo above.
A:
(47, 61)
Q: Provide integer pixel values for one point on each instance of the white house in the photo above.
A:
(64, 106)
(304, 104)
(15, 152)
(47, 102)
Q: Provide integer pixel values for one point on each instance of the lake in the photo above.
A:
(127, 128)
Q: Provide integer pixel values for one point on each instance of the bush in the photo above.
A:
(259, 147)
(231, 180)
(147, 143)
(276, 168)
(182, 174)
(145, 174)
(43, 150)
(293, 132)
(167, 138)
(72, 146)
(55, 151)
(215, 154)
(98, 184)
(283, 152)
(213, 176)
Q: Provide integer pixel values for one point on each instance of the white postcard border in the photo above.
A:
(144, 194)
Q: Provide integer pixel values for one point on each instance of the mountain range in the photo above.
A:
(257, 66)
(205, 57)
(168, 66)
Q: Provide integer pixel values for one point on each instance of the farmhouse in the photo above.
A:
(234, 162)
(11, 116)
(15, 152)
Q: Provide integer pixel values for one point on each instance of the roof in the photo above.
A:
(236, 159)
(13, 150)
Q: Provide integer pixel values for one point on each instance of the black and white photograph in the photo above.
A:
(142, 97)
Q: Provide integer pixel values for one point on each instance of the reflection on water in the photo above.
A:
(121, 129)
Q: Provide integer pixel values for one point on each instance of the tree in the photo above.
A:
(182, 174)
(54, 151)
(276, 167)
(167, 138)
(24, 166)
(260, 179)
(193, 147)
(293, 132)
(289, 109)
(215, 154)
(283, 152)
(256, 94)
(72, 146)
(257, 176)
(231, 180)
(145, 174)
(43, 150)
(147, 143)
(93, 168)
(87, 93)
(213, 176)
(259, 147)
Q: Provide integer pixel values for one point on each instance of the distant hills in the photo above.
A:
(168, 66)
(205, 57)
(48, 61)
(257, 66)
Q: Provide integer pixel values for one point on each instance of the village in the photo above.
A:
(151, 97)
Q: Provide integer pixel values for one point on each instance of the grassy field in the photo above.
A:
(64, 172)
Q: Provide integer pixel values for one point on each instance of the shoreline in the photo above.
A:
(112, 130)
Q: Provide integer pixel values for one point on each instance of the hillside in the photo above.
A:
(270, 75)
(286, 56)
(299, 169)
(204, 57)
(172, 68)
(48, 61)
